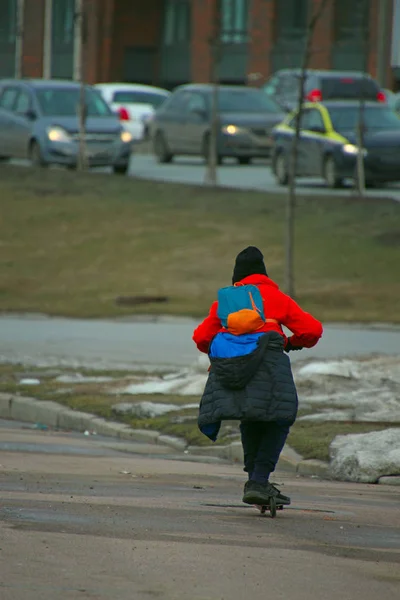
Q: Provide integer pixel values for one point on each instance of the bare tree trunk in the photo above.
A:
(211, 177)
(19, 38)
(384, 34)
(360, 175)
(291, 202)
(359, 179)
(80, 47)
(47, 39)
(82, 158)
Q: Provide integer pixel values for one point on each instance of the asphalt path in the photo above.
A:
(128, 526)
(159, 343)
(257, 176)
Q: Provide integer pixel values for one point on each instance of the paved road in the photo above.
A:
(255, 176)
(123, 527)
(163, 343)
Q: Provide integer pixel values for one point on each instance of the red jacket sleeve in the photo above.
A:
(305, 328)
(204, 333)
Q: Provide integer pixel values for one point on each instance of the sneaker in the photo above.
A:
(281, 498)
(258, 493)
(246, 485)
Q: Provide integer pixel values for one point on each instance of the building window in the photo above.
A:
(8, 21)
(291, 18)
(177, 22)
(234, 21)
(63, 21)
(351, 20)
(62, 38)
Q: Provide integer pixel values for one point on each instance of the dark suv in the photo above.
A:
(319, 86)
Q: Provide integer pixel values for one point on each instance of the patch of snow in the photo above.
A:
(186, 384)
(146, 410)
(386, 415)
(380, 404)
(79, 378)
(338, 368)
(365, 457)
(371, 394)
(29, 381)
(332, 415)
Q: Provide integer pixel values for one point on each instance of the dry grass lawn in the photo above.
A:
(71, 243)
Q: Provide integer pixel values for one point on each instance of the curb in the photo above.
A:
(51, 414)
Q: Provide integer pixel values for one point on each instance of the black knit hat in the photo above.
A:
(249, 261)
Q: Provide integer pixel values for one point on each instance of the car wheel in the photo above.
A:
(35, 155)
(330, 173)
(161, 149)
(121, 169)
(244, 160)
(281, 171)
(206, 150)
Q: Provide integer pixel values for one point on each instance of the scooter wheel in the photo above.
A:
(272, 507)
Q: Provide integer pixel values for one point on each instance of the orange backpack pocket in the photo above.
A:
(243, 321)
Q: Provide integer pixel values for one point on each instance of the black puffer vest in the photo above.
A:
(256, 387)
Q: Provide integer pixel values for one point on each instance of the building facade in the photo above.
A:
(167, 42)
(395, 43)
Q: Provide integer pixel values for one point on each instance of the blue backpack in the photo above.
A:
(241, 309)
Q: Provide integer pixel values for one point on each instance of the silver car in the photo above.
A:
(39, 121)
(246, 117)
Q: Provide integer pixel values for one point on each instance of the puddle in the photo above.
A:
(44, 516)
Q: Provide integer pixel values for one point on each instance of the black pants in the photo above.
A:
(262, 444)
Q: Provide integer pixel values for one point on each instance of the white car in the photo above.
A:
(135, 103)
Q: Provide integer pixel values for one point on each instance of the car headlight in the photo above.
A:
(352, 149)
(231, 129)
(58, 134)
(126, 137)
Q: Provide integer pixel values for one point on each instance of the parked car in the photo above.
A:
(135, 104)
(394, 101)
(328, 143)
(320, 86)
(246, 116)
(38, 120)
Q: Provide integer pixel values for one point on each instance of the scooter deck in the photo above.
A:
(264, 507)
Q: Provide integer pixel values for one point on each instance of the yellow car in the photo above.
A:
(328, 142)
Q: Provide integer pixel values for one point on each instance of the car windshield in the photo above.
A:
(64, 102)
(374, 117)
(252, 101)
(137, 97)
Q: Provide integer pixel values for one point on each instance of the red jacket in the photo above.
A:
(278, 307)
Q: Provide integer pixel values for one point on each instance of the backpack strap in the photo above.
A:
(253, 304)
